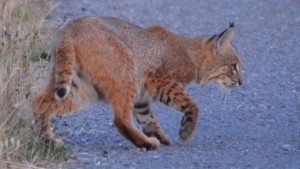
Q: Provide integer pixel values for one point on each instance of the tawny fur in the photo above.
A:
(129, 66)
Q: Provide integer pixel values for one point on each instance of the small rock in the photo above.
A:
(65, 123)
(105, 154)
(287, 147)
(111, 124)
(98, 163)
(156, 156)
(219, 141)
(144, 149)
(104, 164)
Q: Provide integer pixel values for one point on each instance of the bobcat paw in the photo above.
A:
(163, 138)
(166, 141)
(188, 126)
(185, 132)
(154, 143)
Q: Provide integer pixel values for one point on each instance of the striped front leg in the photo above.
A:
(149, 123)
(171, 93)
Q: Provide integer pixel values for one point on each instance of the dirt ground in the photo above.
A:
(254, 126)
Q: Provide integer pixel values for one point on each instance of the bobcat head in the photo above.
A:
(222, 63)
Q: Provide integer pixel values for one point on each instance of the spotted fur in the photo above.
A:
(98, 58)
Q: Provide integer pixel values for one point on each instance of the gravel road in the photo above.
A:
(254, 126)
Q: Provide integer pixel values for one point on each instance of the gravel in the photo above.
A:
(254, 126)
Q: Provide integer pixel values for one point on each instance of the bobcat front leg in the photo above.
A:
(149, 122)
(173, 94)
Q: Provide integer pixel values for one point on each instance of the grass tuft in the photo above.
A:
(21, 47)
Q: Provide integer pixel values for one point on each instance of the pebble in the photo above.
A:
(219, 141)
(105, 154)
(156, 156)
(286, 147)
(98, 163)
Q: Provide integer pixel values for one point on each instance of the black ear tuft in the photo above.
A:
(231, 24)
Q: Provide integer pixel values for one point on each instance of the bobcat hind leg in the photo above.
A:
(46, 105)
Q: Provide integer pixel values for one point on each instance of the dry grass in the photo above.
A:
(20, 46)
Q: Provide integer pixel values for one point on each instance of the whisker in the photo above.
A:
(226, 94)
(225, 99)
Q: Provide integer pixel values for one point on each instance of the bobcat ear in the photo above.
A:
(224, 37)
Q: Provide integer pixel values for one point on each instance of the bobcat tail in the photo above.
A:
(64, 62)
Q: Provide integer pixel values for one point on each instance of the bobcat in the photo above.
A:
(103, 58)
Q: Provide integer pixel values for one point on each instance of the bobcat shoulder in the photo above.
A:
(98, 58)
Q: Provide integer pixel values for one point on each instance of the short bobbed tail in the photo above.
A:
(64, 58)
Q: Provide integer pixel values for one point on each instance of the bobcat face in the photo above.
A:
(227, 76)
(226, 66)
